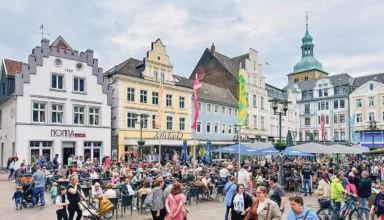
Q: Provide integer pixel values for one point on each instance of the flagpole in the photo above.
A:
(239, 136)
(194, 150)
(159, 145)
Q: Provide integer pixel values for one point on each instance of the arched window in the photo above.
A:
(296, 80)
(306, 78)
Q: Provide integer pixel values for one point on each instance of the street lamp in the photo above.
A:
(372, 126)
(280, 146)
(143, 118)
(294, 133)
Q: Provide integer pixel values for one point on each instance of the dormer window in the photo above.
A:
(340, 91)
(371, 87)
(306, 78)
(307, 95)
(296, 80)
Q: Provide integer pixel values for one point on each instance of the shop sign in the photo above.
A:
(168, 135)
(244, 138)
(271, 138)
(66, 133)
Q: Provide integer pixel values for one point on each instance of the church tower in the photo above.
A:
(308, 67)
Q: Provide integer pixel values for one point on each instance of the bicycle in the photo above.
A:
(350, 209)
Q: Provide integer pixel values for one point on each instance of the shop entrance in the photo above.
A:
(68, 149)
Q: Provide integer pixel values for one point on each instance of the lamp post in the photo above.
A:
(372, 126)
(294, 133)
(143, 118)
(238, 127)
(280, 146)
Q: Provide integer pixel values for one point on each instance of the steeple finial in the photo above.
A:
(306, 17)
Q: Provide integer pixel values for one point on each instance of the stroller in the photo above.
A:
(23, 177)
(27, 190)
(91, 212)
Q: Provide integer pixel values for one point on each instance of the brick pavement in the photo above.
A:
(201, 211)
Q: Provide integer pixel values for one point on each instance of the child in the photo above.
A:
(18, 195)
(53, 192)
(62, 204)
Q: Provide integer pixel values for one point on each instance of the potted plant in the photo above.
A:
(280, 146)
(141, 142)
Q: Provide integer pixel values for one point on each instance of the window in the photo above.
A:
(262, 122)
(235, 112)
(199, 106)
(144, 118)
(92, 150)
(168, 100)
(209, 127)
(223, 129)
(335, 118)
(155, 98)
(57, 81)
(155, 75)
(371, 101)
(216, 109)
(318, 105)
(216, 128)
(247, 97)
(358, 102)
(306, 78)
(223, 110)
(79, 66)
(38, 112)
(255, 121)
(340, 91)
(327, 119)
(153, 121)
(371, 116)
(78, 115)
(182, 103)
(342, 104)
(131, 120)
(382, 100)
(57, 113)
(229, 129)
(58, 62)
(209, 108)
(198, 127)
(94, 116)
(342, 118)
(335, 104)
(336, 135)
(1, 119)
(262, 102)
(322, 105)
(320, 93)
(307, 95)
(130, 94)
(78, 84)
(306, 109)
(38, 148)
(307, 120)
(371, 87)
(229, 111)
(325, 92)
(326, 105)
(169, 122)
(254, 101)
(359, 118)
(162, 77)
(143, 96)
(318, 119)
(182, 124)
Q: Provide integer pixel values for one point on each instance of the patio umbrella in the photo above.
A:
(289, 139)
(286, 152)
(234, 149)
(258, 145)
(184, 154)
(311, 138)
(207, 158)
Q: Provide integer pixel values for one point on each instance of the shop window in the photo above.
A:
(92, 150)
(38, 148)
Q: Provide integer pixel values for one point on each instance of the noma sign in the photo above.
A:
(169, 135)
(66, 133)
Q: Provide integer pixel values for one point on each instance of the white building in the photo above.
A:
(59, 104)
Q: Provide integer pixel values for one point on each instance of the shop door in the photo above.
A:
(68, 149)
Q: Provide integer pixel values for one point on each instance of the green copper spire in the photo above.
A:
(308, 60)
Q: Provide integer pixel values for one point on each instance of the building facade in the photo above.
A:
(367, 104)
(137, 99)
(57, 103)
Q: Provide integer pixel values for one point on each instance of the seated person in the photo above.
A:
(84, 176)
(107, 174)
(109, 193)
(127, 188)
(144, 191)
(199, 183)
(115, 179)
(94, 174)
(97, 192)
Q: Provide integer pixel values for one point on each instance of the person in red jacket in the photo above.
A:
(108, 161)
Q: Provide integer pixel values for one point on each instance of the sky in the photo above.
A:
(348, 34)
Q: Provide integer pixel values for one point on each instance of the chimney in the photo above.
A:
(213, 49)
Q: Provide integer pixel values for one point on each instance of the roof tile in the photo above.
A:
(12, 67)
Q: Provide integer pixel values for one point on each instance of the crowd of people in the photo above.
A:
(251, 188)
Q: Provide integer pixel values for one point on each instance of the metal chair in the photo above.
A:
(219, 192)
(126, 201)
(192, 194)
(118, 194)
(115, 202)
(143, 197)
(200, 191)
(87, 191)
(96, 181)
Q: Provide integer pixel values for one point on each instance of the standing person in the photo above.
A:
(16, 168)
(11, 168)
(62, 204)
(70, 160)
(229, 191)
(55, 163)
(324, 186)
(379, 203)
(53, 192)
(18, 196)
(240, 205)
(224, 173)
(263, 208)
(364, 190)
(41, 161)
(175, 204)
(74, 196)
(337, 189)
(276, 192)
(158, 211)
(299, 211)
(39, 178)
(306, 172)
(243, 177)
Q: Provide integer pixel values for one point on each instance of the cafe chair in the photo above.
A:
(192, 194)
(96, 181)
(115, 202)
(219, 192)
(126, 201)
(143, 197)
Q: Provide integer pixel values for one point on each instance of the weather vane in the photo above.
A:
(306, 17)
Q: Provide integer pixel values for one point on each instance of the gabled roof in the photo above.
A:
(12, 67)
(61, 43)
(231, 64)
(208, 92)
(128, 67)
(358, 81)
(336, 80)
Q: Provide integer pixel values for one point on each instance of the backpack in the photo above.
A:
(148, 202)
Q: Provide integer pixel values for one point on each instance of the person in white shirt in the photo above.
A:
(16, 168)
(97, 192)
(224, 174)
(244, 178)
(80, 162)
(94, 174)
